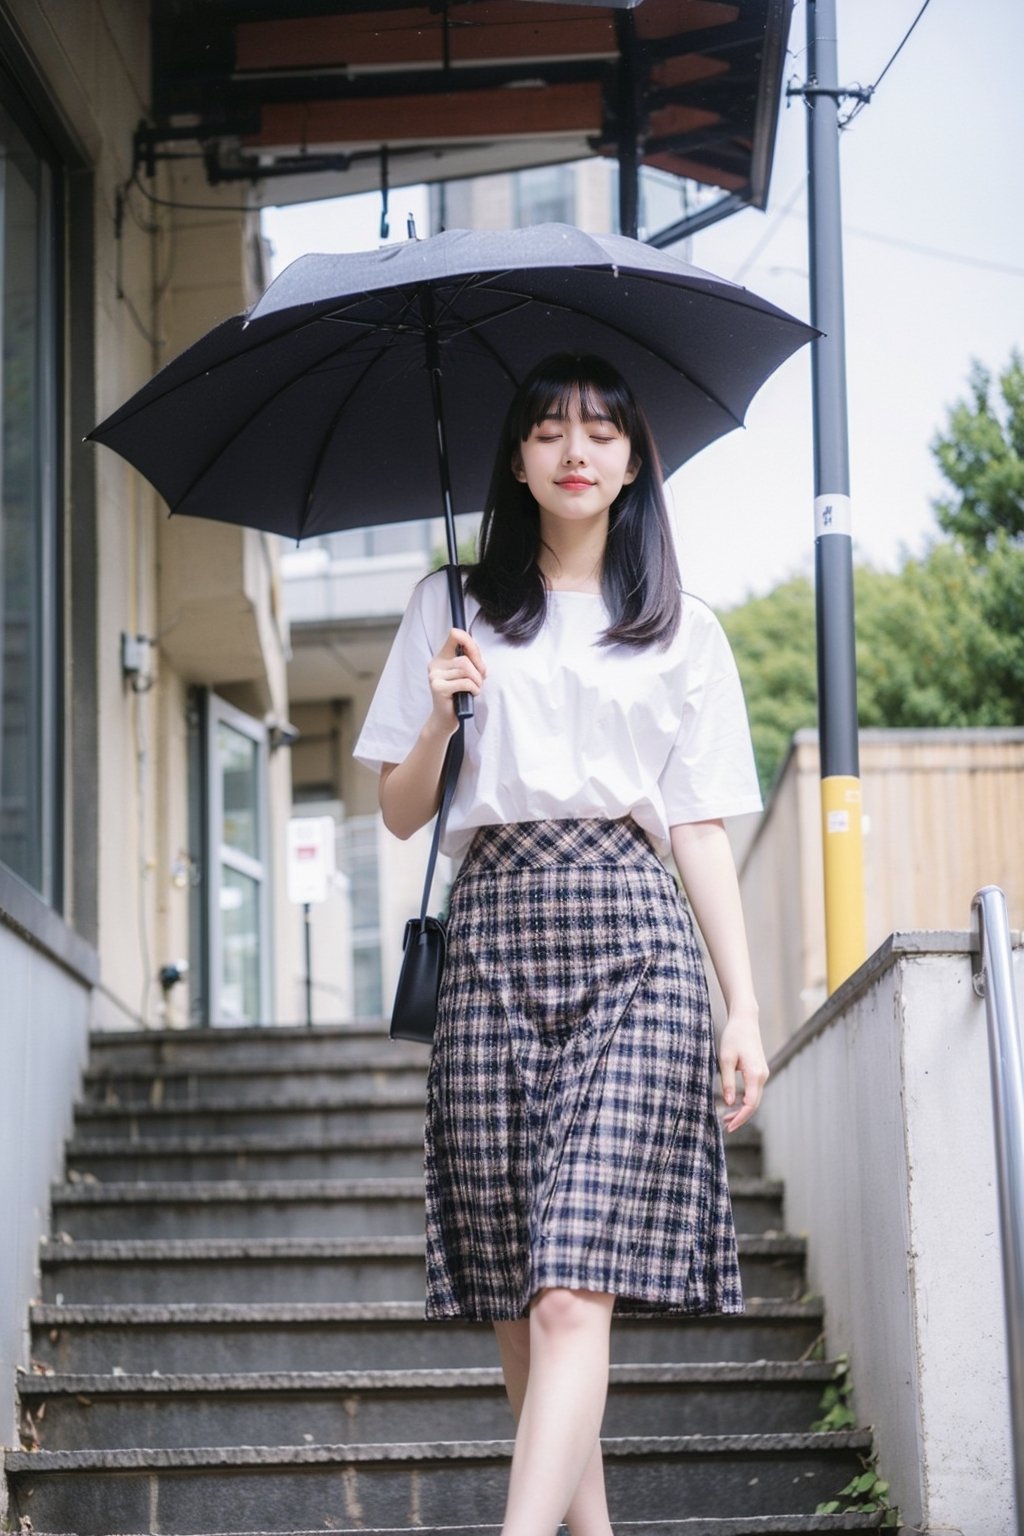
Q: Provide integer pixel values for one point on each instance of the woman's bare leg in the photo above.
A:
(587, 1514)
(556, 1375)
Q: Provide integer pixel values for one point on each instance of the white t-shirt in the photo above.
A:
(566, 728)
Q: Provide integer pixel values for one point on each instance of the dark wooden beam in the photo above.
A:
(473, 115)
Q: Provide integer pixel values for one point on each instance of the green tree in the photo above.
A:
(773, 640)
(940, 642)
(981, 455)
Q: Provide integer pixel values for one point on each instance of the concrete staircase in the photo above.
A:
(230, 1335)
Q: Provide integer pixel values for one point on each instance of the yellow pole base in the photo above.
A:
(843, 846)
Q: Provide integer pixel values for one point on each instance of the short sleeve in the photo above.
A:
(710, 772)
(402, 702)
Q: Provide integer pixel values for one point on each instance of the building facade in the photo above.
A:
(143, 659)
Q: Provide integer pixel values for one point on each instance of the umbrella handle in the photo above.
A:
(463, 701)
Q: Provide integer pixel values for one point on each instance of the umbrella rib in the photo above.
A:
(270, 399)
(325, 440)
(314, 476)
(571, 309)
(213, 367)
(402, 329)
(489, 347)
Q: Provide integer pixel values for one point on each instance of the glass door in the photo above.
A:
(238, 896)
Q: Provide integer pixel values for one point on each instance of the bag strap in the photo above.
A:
(450, 773)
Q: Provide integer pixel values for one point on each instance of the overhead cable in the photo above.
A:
(871, 89)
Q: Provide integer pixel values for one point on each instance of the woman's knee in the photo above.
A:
(559, 1310)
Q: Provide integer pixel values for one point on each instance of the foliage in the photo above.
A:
(939, 643)
(773, 640)
(867, 1491)
(466, 551)
(981, 455)
(834, 1410)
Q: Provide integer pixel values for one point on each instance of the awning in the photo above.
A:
(308, 98)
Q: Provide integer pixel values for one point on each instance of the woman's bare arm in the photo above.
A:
(705, 863)
(410, 791)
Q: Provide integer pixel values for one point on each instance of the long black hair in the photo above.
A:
(639, 573)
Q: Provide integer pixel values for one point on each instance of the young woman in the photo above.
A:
(574, 1157)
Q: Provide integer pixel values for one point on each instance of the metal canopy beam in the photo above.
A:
(468, 87)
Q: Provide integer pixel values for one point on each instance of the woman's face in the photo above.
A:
(575, 466)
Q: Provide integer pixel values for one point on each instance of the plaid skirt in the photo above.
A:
(571, 1132)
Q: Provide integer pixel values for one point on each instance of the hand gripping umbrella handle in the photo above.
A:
(463, 701)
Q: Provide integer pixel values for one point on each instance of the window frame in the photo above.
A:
(217, 711)
(48, 618)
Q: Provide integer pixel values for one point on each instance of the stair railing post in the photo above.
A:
(307, 928)
(994, 981)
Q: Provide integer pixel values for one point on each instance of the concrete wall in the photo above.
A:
(43, 1044)
(878, 1116)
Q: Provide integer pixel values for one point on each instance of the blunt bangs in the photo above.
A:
(559, 382)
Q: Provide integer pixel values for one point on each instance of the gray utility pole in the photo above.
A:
(833, 544)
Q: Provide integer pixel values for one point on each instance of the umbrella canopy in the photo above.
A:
(320, 409)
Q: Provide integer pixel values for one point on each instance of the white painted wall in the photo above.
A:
(43, 1044)
(878, 1116)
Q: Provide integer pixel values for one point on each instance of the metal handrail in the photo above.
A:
(994, 982)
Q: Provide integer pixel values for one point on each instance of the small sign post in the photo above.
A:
(310, 872)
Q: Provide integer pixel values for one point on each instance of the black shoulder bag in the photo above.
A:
(414, 1014)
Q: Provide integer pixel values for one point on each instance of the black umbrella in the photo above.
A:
(323, 408)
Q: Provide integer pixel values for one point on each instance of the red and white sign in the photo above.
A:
(310, 858)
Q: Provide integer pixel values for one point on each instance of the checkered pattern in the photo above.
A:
(571, 1134)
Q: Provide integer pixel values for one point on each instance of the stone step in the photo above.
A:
(310, 1269)
(752, 1525)
(244, 1083)
(61, 1413)
(366, 1114)
(347, 1487)
(297, 1208)
(345, 1155)
(352, 1155)
(326, 1045)
(344, 1336)
(265, 1208)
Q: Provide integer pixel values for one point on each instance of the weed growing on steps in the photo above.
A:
(863, 1493)
(834, 1411)
(867, 1491)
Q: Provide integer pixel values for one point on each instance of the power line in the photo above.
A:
(871, 89)
(932, 250)
(770, 233)
(961, 258)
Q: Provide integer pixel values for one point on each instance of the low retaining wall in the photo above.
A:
(878, 1116)
(44, 1042)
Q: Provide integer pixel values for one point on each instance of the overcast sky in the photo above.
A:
(933, 211)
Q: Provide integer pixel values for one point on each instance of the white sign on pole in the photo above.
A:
(310, 858)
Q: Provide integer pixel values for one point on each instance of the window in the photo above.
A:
(545, 194)
(384, 539)
(360, 855)
(29, 480)
(237, 884)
